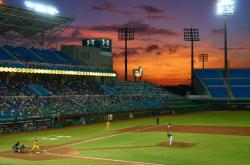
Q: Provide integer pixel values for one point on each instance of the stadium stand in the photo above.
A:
(235, 86)
(39, 90)
(4, 55)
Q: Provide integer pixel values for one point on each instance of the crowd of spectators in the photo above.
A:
(75, 97)
(30, 107)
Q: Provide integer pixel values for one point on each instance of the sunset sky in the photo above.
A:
(159, 46)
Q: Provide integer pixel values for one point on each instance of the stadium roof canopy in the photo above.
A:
(18, 24)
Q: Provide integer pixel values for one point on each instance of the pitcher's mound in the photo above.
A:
(176, 144)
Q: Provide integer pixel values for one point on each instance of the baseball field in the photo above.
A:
(205, 138)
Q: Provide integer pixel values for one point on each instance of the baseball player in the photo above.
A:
(35, 145)
(157, 121)
(171, 138)
(107, 125)
(16, 147)
(169, 126)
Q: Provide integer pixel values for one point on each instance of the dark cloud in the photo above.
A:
(156, 49)
(76, 33)
(135, 48)
(151, 48)
(107, 6)
(131, 52)
(149, 9)
(217, 31)
(156, 16)
(140, 27)
(172, 49)
(159, 53)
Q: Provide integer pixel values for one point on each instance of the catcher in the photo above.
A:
(35, 145)
(17, 148)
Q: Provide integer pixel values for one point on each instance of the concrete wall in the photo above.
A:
(89, 55)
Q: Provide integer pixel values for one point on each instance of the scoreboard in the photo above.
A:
(102, 43)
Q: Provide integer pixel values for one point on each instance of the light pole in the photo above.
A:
(203, 58)
(191, 34)
(126, 34)
(225, 8)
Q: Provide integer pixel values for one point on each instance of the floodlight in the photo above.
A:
(225, 7)
(192, 34)
(126, 34)
(41, 8)
(203, 58)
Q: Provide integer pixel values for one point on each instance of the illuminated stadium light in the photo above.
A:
(225, 7)
(41, 8)
(57, 72)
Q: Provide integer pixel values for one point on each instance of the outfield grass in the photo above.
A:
(210, 149)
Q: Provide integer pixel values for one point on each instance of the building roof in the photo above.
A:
(29, 24)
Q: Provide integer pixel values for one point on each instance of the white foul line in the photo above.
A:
(103, 159)
(86, 141)
(95, 139)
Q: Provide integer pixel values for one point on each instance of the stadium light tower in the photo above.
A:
(126, 34)
(203, 58)
(225, 8)
(191, 34)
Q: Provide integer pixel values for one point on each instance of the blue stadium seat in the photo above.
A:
(208, 73)
(239, 73)
(26, 55)
(240, 81)
(241, 92)
(39, 90)
(208, 82)
(48, 56)
(4, 55)
(214, 80)
(218, 92)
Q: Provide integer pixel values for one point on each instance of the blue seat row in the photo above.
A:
(218, 92)
(214, 80)
(241, 92)
(38, 55)
(208, 73)
(4, 55)
(39, 90)
(48, 56)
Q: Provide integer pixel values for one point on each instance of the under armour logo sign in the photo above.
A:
(90, 42)
(105, 42)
